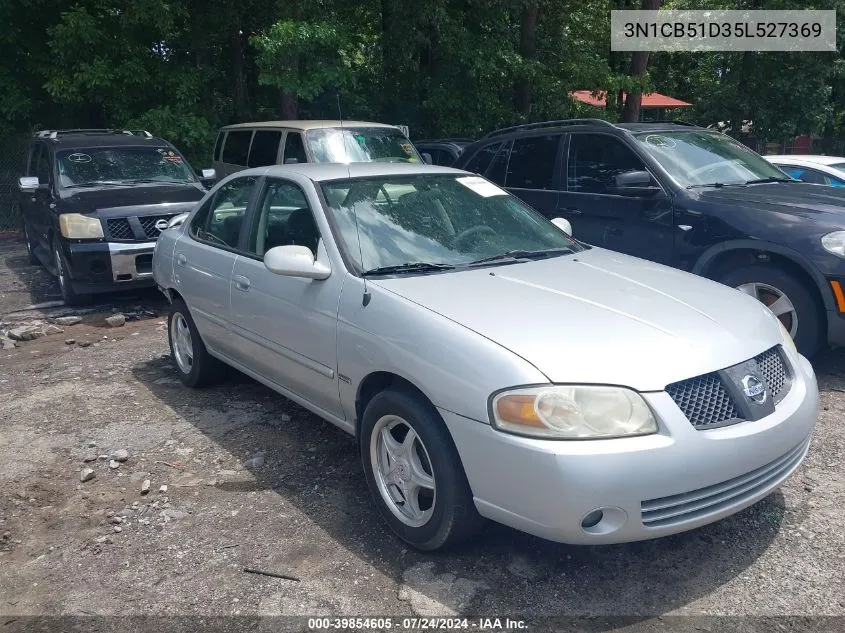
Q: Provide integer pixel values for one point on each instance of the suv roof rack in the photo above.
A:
(54, 134)
(542, 124)
(685, 123)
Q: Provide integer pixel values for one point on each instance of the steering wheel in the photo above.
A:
(479, 229)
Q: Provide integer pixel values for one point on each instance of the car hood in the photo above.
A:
(600, 317)
(796, 198)
(166, 198)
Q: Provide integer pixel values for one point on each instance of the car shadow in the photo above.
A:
(316, 467)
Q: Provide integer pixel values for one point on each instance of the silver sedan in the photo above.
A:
(488, 364)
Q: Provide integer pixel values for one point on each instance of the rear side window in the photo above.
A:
(532, 162)
(219, 145)
(265, 148)
(236, 148)
(294, 149)
(220, 220)
(482, 159)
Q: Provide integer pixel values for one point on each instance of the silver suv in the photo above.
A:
(488, 364)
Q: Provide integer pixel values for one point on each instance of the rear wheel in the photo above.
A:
(196, 367)
(788, 299)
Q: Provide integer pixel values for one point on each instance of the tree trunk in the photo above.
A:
(290, 106)
(522, 92)
(239, 97)
(639, 63)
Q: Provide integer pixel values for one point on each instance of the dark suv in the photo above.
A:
(690, 198)
(95, 201)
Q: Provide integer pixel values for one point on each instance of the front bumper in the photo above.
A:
(105, 266)
(676, 480)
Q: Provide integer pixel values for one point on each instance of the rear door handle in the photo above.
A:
(181, 259)
(571, 210)
(241, 282)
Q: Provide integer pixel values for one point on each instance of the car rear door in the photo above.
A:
(604, 214)
(530, 170)
(204, 257)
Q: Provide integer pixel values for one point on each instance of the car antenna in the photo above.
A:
(367, 296)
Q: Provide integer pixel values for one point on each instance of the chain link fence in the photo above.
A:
(11, 161)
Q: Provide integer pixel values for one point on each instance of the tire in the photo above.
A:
(195, 366)
(69, 295)
(30, 245)
(806, 320)
(444, 513)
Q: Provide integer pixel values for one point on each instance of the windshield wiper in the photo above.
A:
(99, 183)
(520, 255)
(760, 181)
(411, 267)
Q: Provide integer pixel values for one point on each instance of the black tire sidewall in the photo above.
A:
(810, 335)
(455, 516)
(30, 247)
(69, 295)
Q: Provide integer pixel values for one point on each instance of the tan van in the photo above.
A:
(264, 143)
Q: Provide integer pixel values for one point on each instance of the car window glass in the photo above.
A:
(218, 145)
(595, 160)
(532, 162)
(264, 148)
(499, 168)
(482, 159)
(220, 220)
(236, 148)
(294, 149)
(285, 218)
(805, 175)
(42, 165)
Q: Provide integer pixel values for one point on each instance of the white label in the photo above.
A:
(481, 187)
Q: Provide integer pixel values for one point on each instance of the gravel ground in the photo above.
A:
(252, 480)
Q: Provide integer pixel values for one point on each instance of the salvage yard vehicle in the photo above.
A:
(817, 170)
(690, 198)
(488, 364)
(265, 143)
(94, 202)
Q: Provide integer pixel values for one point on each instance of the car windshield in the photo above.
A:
(360, 145)
(839, 166)
(121, 165)
(438, 221)
(700, 158)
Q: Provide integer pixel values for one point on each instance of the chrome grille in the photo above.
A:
(776, 372)
(703, 400)
(119, 229)
(148, 223)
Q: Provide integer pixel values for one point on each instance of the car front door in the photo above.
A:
(529, 170)
(606, 212)
(35, 205)
(285, 328)
(204, 257)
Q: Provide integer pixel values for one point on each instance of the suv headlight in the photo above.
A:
(80, 227)
(834, 243)
(572, 412)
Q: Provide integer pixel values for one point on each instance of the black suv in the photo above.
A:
(94, 202)
(444, 151)
(690, 198)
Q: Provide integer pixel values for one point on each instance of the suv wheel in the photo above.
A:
(196, 367)
(414, 473)
(30, 245)
(69, 296)
(787, 298)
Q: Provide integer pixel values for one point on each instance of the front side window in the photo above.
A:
(499, 168)
(594, 162)
(445, 220)
(285, 218)
(236, 147)
(479, 163)
(532, 162)
(701, 158)
(220, 219)
(360, 145)
(95, 166)
(264, 148)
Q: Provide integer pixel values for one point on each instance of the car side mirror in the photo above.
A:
(177, 220)
(427, 159)
(564, 225)
(208, 176)
(291, 260)
(30, 184)
(636, 183)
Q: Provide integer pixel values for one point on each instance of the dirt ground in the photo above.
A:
(102, 547)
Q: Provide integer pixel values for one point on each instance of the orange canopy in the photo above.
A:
(651, 100)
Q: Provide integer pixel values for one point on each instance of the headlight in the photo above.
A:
(788, 343)
(78, 226)
(569, 413)
(834, 243)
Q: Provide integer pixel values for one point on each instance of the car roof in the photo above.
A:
(79, 141)
(319, 172)
(305, 124)
(811, 159)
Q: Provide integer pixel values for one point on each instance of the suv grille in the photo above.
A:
(148, 223)
(119, 229)
(706, 403)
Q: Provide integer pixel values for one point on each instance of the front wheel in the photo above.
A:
(414, 472)
(69, 295)
(788, 299)
(30, 245)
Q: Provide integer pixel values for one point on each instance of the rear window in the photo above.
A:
(236, 148)
(265, 148)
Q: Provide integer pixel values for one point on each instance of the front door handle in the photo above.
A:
(570, 210)
(241, 282)
(181, 259)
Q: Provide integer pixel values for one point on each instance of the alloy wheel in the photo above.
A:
(183, 348)
(60, 270)
(775, 300)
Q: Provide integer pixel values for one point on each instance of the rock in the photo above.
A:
(102, 458)
(116, 320)
(145, 487)
(285, 417)
(84, 343)
(114, 464)
(70, 341)
(103, 539)
(90, 457)
(169, 514)
(257, 460)
(118, 529)
(87, 474)
(7, 343)
(92, 444)
(52, 329)
(162, 489)
(68, 320)
(120, 455)
(25, 333)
